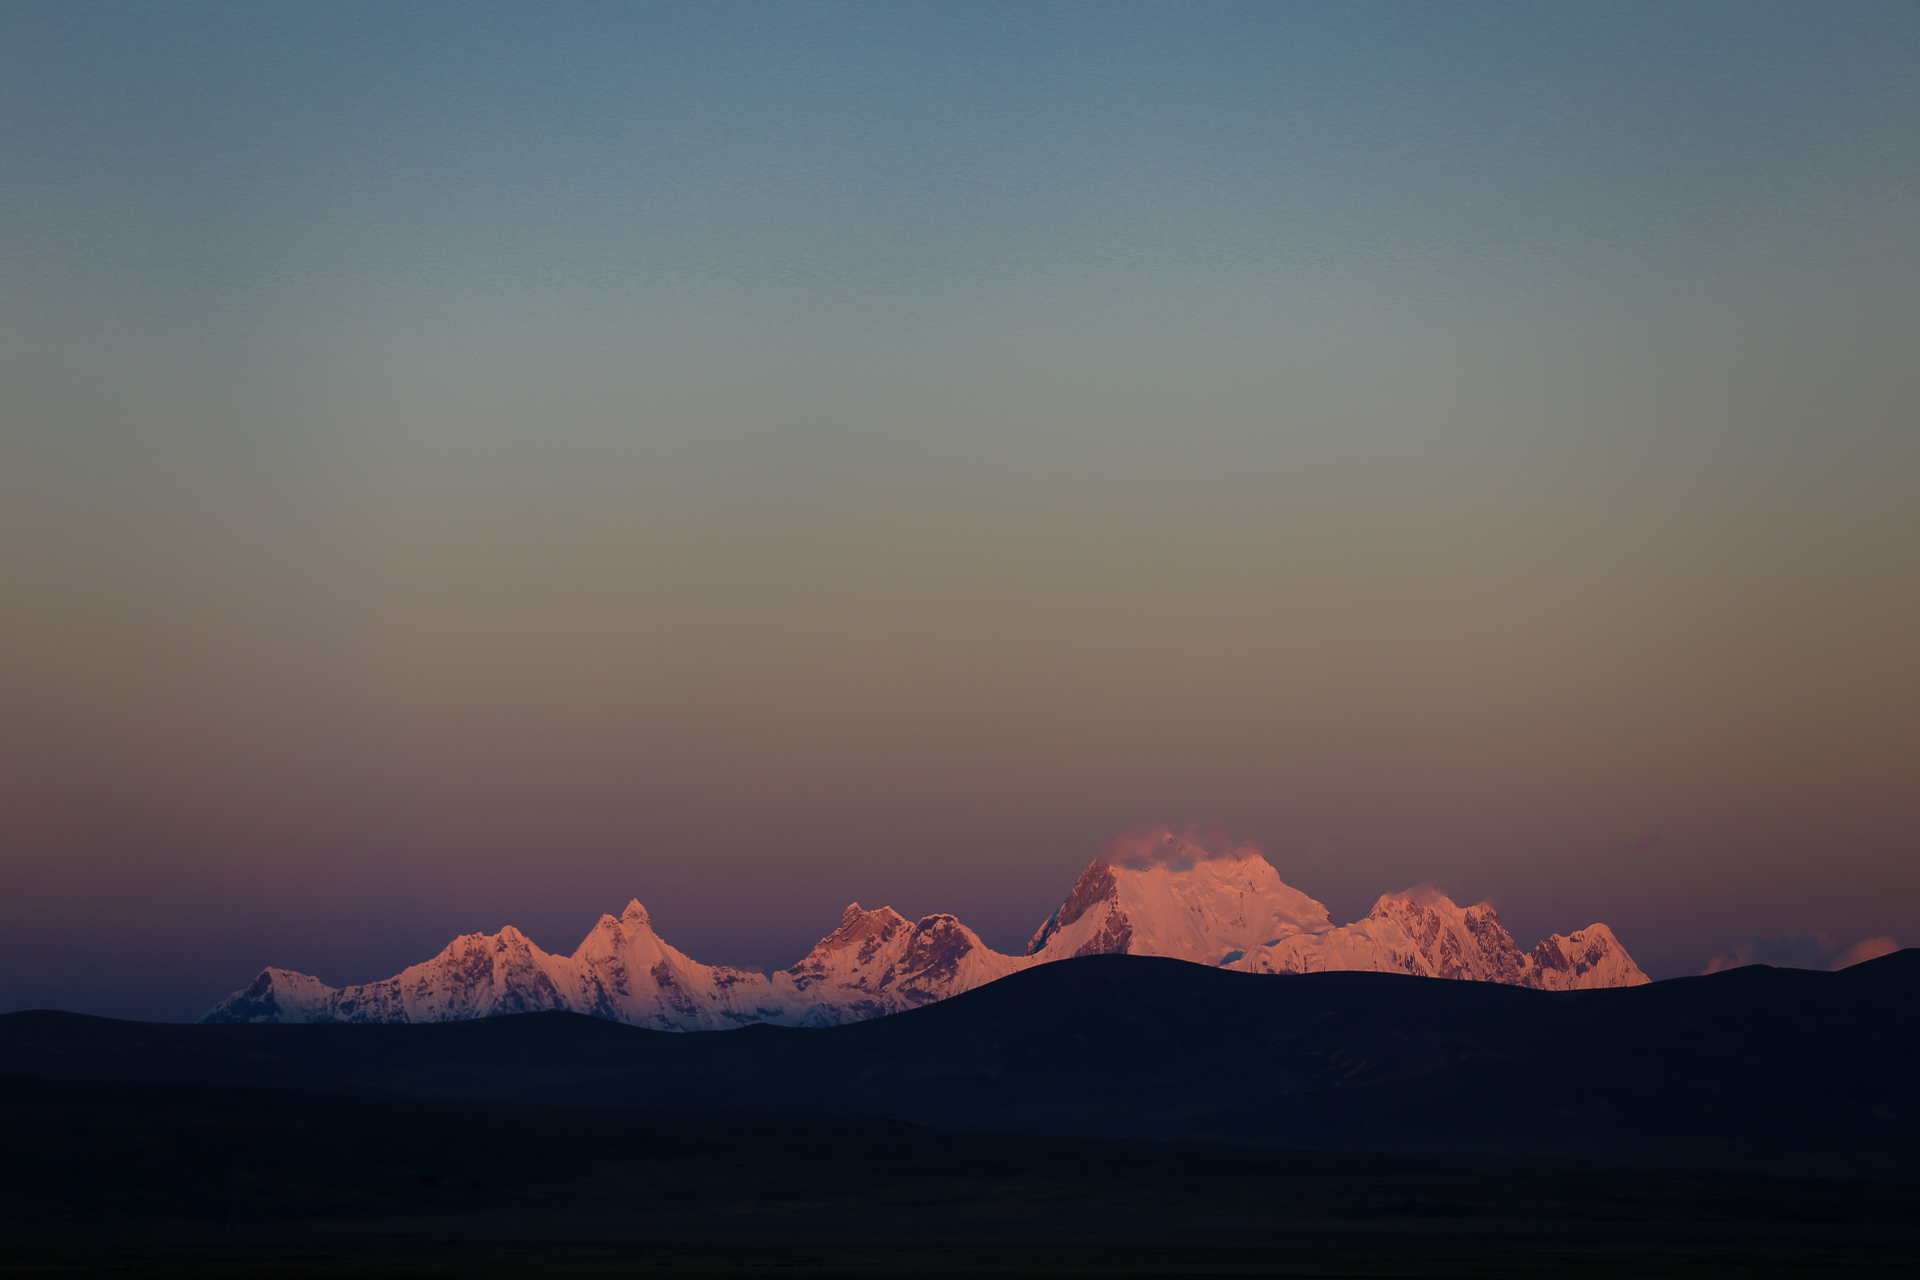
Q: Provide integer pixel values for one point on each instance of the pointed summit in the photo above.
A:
(276, 995)
(870, 929)
(1094, 886)
(635, 914)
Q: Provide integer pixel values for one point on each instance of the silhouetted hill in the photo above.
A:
(1755, 1069)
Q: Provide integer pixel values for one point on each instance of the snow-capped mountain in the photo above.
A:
(1161, 891)
(1211, 912)
(622, 970)
(876, 962)
(1216, 913)
(1589, 957)
(1192, 895)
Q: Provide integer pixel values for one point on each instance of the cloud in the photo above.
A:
(1163, 844)
(1430, 894)
(1866, 949)
(1798, 951)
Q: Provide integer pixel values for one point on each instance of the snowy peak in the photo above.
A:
(1186, 893)
(1589, 957)
(478, 975)
(943, 957)
(1212, 911)
(1424, 932)
(1095, 887)
(625, 971)
(1189, 893)
(861, 954)
(276, 995)
(868, 931)
(875, 963)
(1452, 941)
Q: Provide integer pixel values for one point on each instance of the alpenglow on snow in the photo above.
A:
(1159, 891)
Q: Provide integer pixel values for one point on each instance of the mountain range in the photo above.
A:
(1181, 893)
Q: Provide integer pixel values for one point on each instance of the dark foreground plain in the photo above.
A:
(1338, 1125)
(182, 1179)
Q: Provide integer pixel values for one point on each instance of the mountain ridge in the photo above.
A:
(1754, 1068)
(1184, 900)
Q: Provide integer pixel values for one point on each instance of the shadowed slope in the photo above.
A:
(1753, 1068)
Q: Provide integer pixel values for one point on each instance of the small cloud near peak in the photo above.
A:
(1426, 895)
(1176, 847)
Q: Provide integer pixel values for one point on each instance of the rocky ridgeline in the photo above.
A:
(1188, 902)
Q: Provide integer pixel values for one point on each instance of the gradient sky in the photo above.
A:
(463, 465)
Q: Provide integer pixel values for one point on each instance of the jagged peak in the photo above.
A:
(461, 945)
(1560, 959)
(1095, 885)
(1389, 906)
(857, 925)
(855, 914)
(1556, 949)
(635, 914)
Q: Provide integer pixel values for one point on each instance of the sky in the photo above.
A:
(465, 465)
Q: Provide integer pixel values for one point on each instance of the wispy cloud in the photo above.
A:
(1163, 844)
(1802, 951)
(1865, 949)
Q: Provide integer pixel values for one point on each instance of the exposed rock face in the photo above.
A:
(1589, 957)
(1232, 911)
(1095, 887)
(877, 963)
